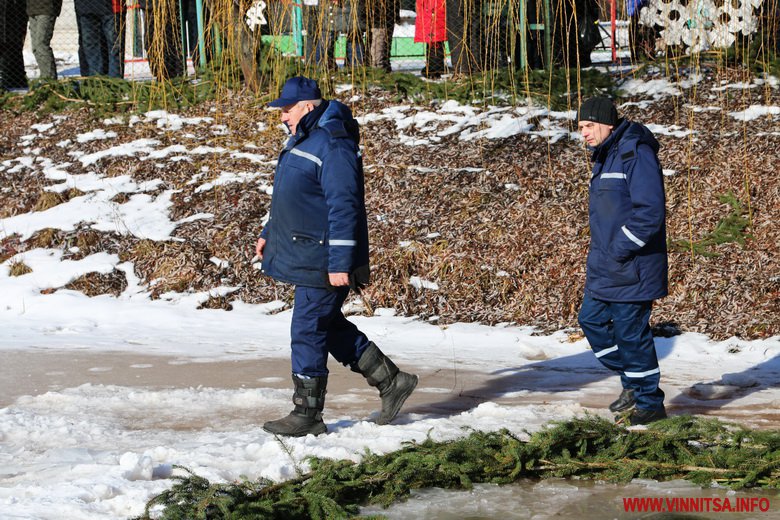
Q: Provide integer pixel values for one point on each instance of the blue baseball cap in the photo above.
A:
(297, 89)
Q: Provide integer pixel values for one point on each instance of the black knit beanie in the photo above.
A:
(599, 110)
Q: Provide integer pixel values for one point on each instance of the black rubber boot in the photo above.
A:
(306, 418)
(624, 402)
(644, 416)
(394, 386)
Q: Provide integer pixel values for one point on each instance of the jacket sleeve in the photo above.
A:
(342, 185)
(648, 212)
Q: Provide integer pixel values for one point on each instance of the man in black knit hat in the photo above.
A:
(627, 261)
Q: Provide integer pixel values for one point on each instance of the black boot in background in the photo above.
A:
(306, 418)
(394, 386)
(434, 61)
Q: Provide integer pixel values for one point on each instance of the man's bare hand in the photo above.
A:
(259, 248)
(338, 279)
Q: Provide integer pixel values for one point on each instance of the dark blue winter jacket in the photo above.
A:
(318, 220)
(627, 258)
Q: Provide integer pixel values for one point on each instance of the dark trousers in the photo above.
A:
(641, 39)
(434, 60)
(319, 328)
(13, 30)
(621, 339)
(98, 32)
(464, 33)
(190, 14)
(163, 42)
(120, 29)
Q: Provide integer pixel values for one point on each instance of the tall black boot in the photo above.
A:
(306, 418)
(394, 386)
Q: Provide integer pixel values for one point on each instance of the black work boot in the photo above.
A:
(624, 402)
(645, 416)
(306, 418)
(394, 386)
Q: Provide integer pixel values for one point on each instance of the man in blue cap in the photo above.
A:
(316, 238)
(627, 262)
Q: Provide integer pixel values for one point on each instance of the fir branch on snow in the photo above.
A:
(683, 447)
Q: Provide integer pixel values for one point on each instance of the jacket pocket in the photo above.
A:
(307, 238)
(309, 251)
(611, 273)
(622, 273)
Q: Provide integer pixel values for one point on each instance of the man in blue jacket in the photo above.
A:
(316, 238)
(627, 264)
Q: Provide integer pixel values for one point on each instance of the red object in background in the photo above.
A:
(431, 23)
(613, 14)
(118, 6)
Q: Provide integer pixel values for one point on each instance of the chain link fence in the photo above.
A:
(144, 39)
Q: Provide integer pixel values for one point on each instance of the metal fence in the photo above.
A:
(144, 39)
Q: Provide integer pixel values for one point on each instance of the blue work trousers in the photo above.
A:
(621, 339)
(319, 328)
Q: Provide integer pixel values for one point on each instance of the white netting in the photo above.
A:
(701, 24)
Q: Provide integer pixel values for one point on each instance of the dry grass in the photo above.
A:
(18, 268)
(168, 266)
(95, 284)
(45, 238)
(47, 200)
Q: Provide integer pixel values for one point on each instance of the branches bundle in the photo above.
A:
(699, 450)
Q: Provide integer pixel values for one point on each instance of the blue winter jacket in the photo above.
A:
(627, 258)
(318, 220)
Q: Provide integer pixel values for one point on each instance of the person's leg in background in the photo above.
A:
(463, 35)
(114, 46)
(434, 60)
(92, 38)
(354, 19)
(13, 31)
(163, 42)
(41, 32)
(383, 16)
(120, 29)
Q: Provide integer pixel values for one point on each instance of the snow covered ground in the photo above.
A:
(103, 395)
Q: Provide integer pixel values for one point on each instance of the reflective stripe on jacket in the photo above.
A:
(627, 261)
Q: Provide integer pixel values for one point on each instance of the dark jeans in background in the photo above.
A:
(190, 9)
(434, 60)
(641, 39)
(96, 31)
(121, 30)
(163, 44)
(13, 30)
(464, 33)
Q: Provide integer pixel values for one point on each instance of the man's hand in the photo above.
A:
(259, 247)
(338, 279)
